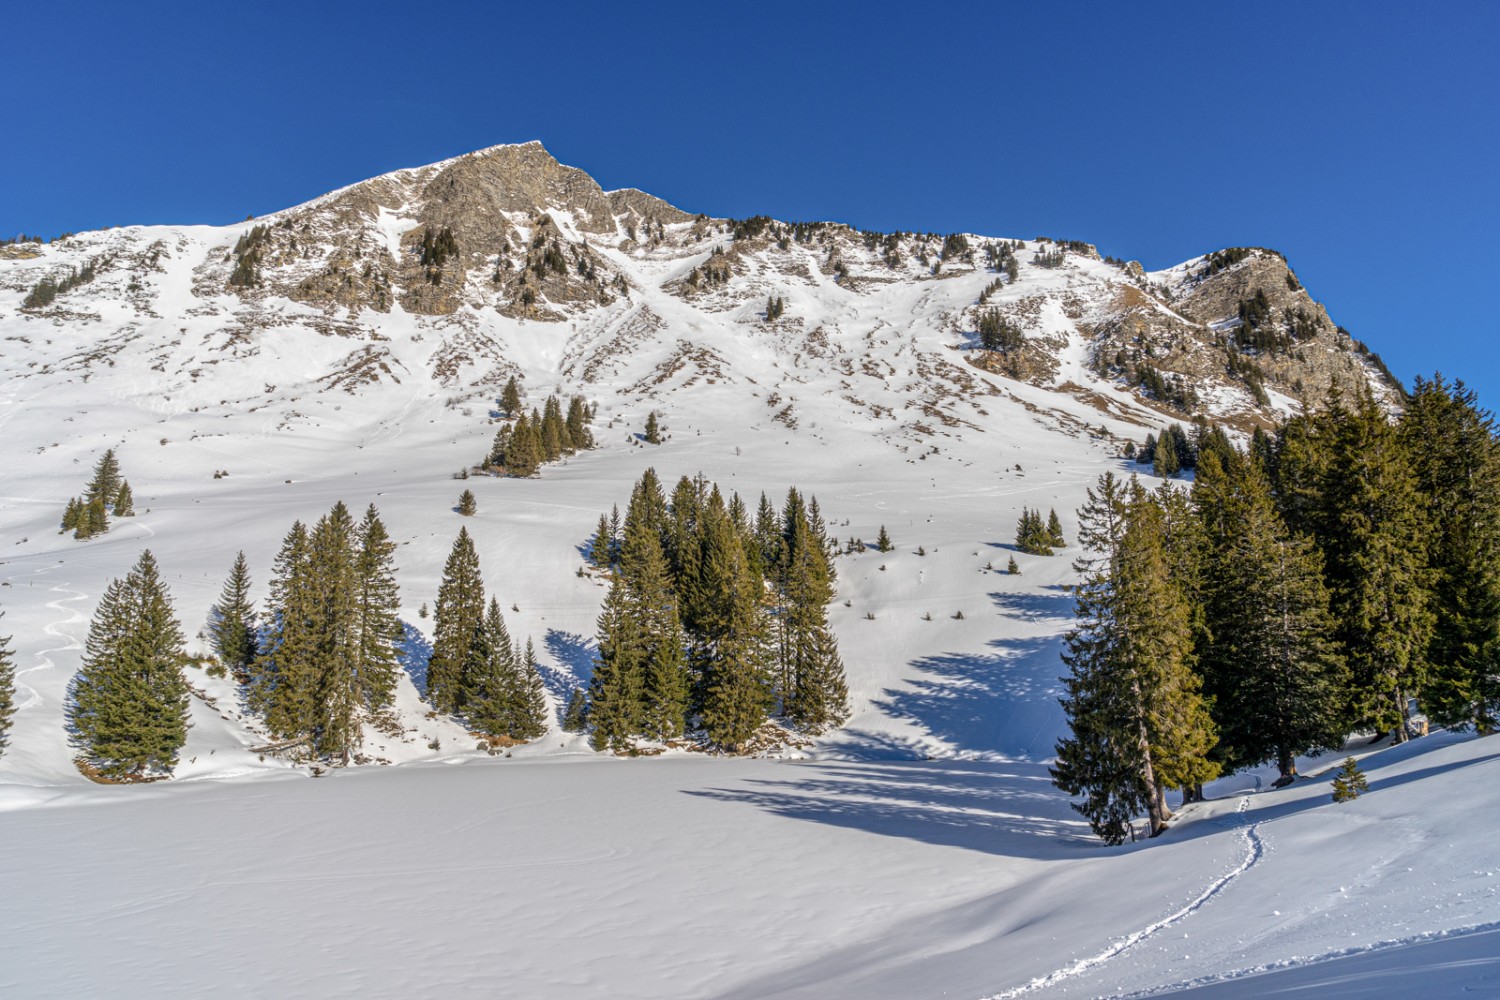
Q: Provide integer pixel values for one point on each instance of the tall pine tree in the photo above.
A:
(458, 614)
(233, 624)
(130, 703)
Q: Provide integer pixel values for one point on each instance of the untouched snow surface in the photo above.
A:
(920, 851)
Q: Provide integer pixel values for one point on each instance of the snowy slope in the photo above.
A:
(920, 852)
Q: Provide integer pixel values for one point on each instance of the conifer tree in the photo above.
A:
(130, 703)
(106, 481)
(1013, 568)
(93, 520)
(233, 623)
(1165, 460)
(124, 502)
(665, 688)
(7, 689)
(730, 638)
(72, 515)
(377, 608)
(599, 546)
(1269, 662)
(1456, 458)
(810, 678)
(1376, 562)
(1350, 782)
(467, 505)
(510, 397)
(575, 716)
(578, 425)
(1054, 531)
(491, 685)
(552, 431)
(334, 664)
(523, 456)
(653, 429)
(459, 613)
(883, 541)
(617, 687)
(1140, 724)
(281, 687)
(529, 718)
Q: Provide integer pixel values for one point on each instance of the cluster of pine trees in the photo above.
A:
(106, 492)
(524, 444)
(475, 671)
(1301, 591)
(996, 333)
(775, 308)
(714, 620)
(329, 651)
(48, 289)
(1037, 537)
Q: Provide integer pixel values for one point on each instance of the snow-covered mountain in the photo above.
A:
(352, 349)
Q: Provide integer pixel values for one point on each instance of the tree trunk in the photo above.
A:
(1161, 804)
(1401, 735)
(1286, 763)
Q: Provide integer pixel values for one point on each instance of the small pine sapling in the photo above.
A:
(124, 502)
(1350, 782)
(883, 540)
(467, 505)
(1014, 568)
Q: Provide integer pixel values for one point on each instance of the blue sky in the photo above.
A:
(1360, 139)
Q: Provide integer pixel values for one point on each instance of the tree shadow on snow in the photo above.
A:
(574, 652)
(413, 651)
(1000, 702)
(1008, 809)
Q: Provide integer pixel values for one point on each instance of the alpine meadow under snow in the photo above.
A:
(930, 393)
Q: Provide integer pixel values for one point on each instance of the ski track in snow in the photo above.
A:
(55, 630)
(1254, 851)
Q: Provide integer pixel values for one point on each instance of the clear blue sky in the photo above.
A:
(1360, 139)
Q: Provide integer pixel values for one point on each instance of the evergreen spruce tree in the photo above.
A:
(575, 716)
(1165, 460)
(529, 718)
(1054, 531)
(649, 596)
(233, 622)
(282, 685)
(130, 703)
(578, 425)
(510, 398)
(491, 687)
(524, 455)
(731, 636)
(92, 520)
(1269, 662)
(1350, 782)
(7, 689)
(1140, 724)
(334, 664)
(552, 430)
(72, 515)
(883, 541)
(459, 613)
(124, 502)
(104, 486)
(617, 687)
(467, 505)
(1013, 568)
(377, 608)
(653, 429)
(810, 679)
(1456, 458)
(1375, 553)
(599, 546)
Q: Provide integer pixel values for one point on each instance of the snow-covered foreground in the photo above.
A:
(690, 877)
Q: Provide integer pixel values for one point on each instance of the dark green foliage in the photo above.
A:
(1165, 460)
(510, 398)
(1455, 455)
(729, 643)
(996, 333)
(1013, 568)
(7, 689)
(467, 505)
(437, 247)
(653, 429)
(330, 650)
(1032, 534)
(575, 716)
(523, 447)
(128, 715)
(48, 289)
(775, 308)
(1268, 658)
(601, 546)
(248, 253)
(93, 520)
(883, 541)
(1054, 531)
(106, 481)
(459, 613)
(72, 515)
(1140, 724)
(124, 503)
(232, 625)
(492, 678)
(1173, 390)
(1350, 782)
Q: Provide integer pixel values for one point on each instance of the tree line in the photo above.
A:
(1301, 590)
(715, 619)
